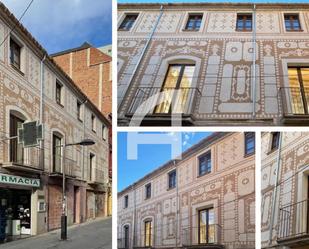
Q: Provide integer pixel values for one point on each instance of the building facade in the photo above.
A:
(34, 88)
(219, 63)
(206, 199)
(91, 70)
(285, 192)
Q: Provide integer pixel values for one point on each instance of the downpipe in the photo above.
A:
(253, 92)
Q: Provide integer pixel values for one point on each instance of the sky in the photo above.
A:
(212, 1)
(63, 24)
(149, 157)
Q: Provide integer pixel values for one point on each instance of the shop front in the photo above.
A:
(16, 206)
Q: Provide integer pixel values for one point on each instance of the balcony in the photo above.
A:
(209, 238)
(69, 164)
(293, 224)
(184, 100)
(295, 106)
(15, 157)
(96, 177)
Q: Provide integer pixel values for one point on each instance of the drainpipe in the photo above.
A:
(253, 92)
(42, 89)
(144, 49)
(273, 211)
(133, 222)
(177, 206)
(83, 147)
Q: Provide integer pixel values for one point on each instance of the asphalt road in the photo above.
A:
(92, 235)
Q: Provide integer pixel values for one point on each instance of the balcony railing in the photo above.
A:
(15, 156)
(69, 164)
(183, 98)
(96, 176)
(295, 101)
(293, 221)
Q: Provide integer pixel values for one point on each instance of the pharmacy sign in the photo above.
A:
(19, 180)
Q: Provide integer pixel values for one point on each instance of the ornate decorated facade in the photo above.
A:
(285, 192)
(242, 60)
(186, 204)
(34, 88)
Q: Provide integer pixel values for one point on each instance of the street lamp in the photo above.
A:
(84, 142)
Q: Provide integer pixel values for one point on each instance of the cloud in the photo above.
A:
(60, 23)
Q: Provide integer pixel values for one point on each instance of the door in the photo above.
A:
(206, 227)
(126, 236)
(148, 235)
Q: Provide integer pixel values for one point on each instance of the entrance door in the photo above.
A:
(206, 229)
(148, 235)
(126, 236)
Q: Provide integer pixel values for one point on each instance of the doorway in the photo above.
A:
(206, 226)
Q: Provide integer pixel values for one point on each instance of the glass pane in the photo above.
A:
(305, 79)
(211, 226)
(202, 226)
(170, 84)
(148, 237)
(295, 93)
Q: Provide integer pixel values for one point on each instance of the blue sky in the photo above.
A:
(149, 157)
(212, 1)
(64, 24)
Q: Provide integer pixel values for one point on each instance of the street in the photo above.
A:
(93, 235)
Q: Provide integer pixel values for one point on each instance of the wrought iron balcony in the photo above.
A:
(16, 157)
(96, 177)
(69, 165)
(293, 223)
(184, 100)
(295, 104)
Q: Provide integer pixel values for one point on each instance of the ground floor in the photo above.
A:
(31, 204)
(93, 234)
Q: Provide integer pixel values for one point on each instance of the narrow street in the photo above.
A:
(93, 235)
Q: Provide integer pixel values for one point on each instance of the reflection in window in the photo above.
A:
(292, 22)
(299, 89)
(205, 164)
(244, 22)
(249, 143)
(194, 22)
(128, 22)
(275, 140)
(178, 77)
(206, 225)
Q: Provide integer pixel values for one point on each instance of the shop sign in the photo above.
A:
(19, 180)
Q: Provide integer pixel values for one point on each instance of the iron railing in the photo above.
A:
(69, 164)
(14, 153)
(293, 220)
(295, 100)
(183, 98)
(96, 176)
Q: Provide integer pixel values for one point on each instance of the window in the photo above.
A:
(172, 179)
(91, 166)
(275, 140)
(104, 132)
(15, 50)
(194, 22)
(292, 22)
(128, 22)
(79, 110)
(206, 226)
(249, 143)
(148, 235)
(299, 89)
(244, 22)
(59, 93)
(93, 122)
(205, 164)
(179, 77)
(126, 201)
(57, 153)
(16, 149)
(148, 191)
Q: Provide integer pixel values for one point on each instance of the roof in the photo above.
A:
(212, 4)
(41, 52)
(206, 142)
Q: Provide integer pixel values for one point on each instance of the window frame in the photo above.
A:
(168, 179)
(58, 86)
(91, 165)
(126, 201)
(126, 15)
(148, 185)
(244, 29)
(274, 146)
(93, 122)
(292, 22)
(79, 110)
(196, 15)
(15, 44)
(247, 136)
(199, 163)
(104, 132)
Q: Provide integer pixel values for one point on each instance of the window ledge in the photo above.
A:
(248, 155)
(168, 189)
(17, 69)
(190, 30)
(203, 174)
(60, 104)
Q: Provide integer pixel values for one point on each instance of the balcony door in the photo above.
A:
(126, 236)
(299, 89)
(56, 153)
(148, 235)
(16, 149)
(206, 226)
(179, 77)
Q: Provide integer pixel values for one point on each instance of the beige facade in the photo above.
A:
(239, 77)
(226, 193)
(28, 92)
(285, 192)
